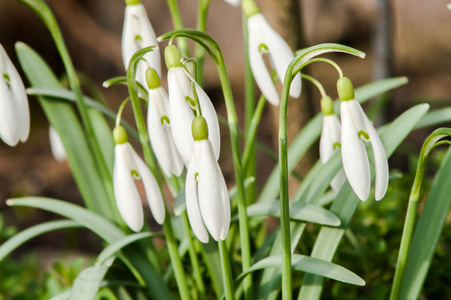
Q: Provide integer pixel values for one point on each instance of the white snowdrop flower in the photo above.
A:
(356, 128)
(181, 101)
(128, 166)
(158, 125)
(56, 145)
(14, 111)
(137, 34)
(330, 140)
(263, 39)
(206, 196)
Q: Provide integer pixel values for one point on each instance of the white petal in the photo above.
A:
(56, 145)
(330, 135)
(192, 204)
(225, 205)
(153, 192)
(258, 66)
(180, 113)
(353, 153)
(157, 134)
(127, 197)
(209, 113)
(281, 55)
(380, 162)
(8, 116)
(209, 188)
(235, 3)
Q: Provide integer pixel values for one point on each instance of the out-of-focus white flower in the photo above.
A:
(128, 166)
(330, 141)
(180, 110)
(158, 124)
(137, 34)
(356, 128)
(56, 145)
(14, 111)
(263, 39)
(235, 3)
(206, 196)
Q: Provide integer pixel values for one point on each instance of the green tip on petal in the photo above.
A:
(345, 89)
(172, 57)
(249, 8)
(132, 2)
(119, 135)
(152, 78)
(327, 106)
(199, 128)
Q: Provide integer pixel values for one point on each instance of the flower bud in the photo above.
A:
(345, 89)
(172, 57)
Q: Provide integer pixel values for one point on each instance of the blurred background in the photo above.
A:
(400, 38)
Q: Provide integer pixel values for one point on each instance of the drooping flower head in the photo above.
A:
(330, 141)
(137, 34)
(158, 125)
(356, 128)
(263, 39)
(207, 199)
(128, 167)
(14, 111)
(56, 145)
(181, 88)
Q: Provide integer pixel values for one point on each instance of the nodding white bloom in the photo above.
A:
(356, 128)
(56, 145)
(263, 39)
(206, 196)
(137, 34)
(128, 166)
(181, 105)
(330, 141)
(158, 124)
(14, 111)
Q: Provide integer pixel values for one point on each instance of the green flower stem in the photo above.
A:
(226, 271)
(249, 162)
(315, 82)
(249, 144)
(151, 162)
(199, 53)
(178, 24)
(46, 15)
(239, 177)
(431, 142)
(193, 257)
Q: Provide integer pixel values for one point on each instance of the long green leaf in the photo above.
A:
(106, 230)
(346, 202)
(20, 238)
(427, 232)
(64, 119)
(298, 212)
(310, 265)
(88, 281)
(119, 244)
